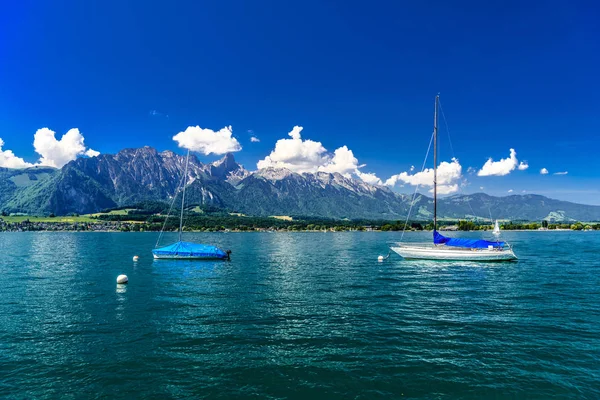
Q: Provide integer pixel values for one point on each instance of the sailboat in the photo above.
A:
(188, 250)
(496, 231)
(453, 249)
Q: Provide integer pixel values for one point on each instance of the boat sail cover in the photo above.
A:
(468, 243)
(191, 250)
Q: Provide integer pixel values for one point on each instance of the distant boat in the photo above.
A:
(496, 230)
(453, 249)
(188, 250)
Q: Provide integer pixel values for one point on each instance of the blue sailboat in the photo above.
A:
(188, 250)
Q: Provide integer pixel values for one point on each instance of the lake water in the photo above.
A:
(296, 315)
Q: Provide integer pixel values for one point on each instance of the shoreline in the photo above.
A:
(271, 231)
(217, 224)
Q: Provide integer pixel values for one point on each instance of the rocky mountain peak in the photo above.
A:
(168, 154)
(274, 174)
(225, 167)
(228, 161)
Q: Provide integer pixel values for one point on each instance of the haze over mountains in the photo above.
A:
(88, 185)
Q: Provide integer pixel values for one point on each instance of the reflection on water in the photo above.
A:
(296, 315)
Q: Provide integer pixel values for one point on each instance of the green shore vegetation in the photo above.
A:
(152, 216)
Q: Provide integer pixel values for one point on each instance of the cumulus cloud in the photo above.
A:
(343, 161)
(448, 174)
(56, 153)
(296, 154)
(305, 155)
(510, 190)
(207, 141)
(480, 187)
(544, 171)
(523, 166)
(501, 167)
(446, 189)
(254, 139)
(561, 173)
(369, 177)
(92, 153)
(8, 159)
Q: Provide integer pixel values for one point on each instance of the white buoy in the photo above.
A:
(380, 258)
(122, 279)
(135, 258)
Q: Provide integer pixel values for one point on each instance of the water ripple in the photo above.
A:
(297, 315)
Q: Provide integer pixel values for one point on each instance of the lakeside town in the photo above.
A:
(262, 224)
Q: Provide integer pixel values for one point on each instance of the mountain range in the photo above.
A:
(87, 185)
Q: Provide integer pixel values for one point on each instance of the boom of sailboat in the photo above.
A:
(453, 249)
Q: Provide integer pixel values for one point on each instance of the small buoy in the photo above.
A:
(135, 258)
(122, 279)
(380, 258)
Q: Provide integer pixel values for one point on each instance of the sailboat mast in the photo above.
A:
(435, 132)
(187, 159)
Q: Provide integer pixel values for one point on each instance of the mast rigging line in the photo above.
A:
(412, 202)
(432, 139)
(187, 160)
(179, 186)
(454, 156)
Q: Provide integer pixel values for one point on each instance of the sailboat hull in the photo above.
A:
(183, 257)
(190, 251)
(446, 253)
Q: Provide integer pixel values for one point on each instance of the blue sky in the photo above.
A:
(521, 75)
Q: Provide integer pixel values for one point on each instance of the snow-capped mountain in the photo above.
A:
(92, 184)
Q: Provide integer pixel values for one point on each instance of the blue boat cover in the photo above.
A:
(187, 249)
(468, 243)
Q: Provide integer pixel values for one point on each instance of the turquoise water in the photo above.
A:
(296, 315)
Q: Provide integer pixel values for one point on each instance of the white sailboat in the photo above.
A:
(453, 249)
(496, 231)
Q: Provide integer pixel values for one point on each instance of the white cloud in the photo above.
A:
(207, 141)
(499, 168)
(544, 171)
(254, 139)
(446, 189)
(305, 155)
(8, 159)
(448, 173)
(561, 173)
(296, 154)
(412, 168)
(480, 187)
(343, 161)
(510, 190)
(56, 153)
(369, 177)
(92, 153)
(523, 166)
